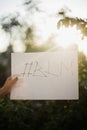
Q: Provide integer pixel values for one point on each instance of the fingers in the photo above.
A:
(8, 84)
(14, 80)
(10, 81)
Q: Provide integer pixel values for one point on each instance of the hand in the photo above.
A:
(7, 85)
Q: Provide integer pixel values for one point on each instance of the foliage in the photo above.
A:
(3, 67)
(7, 26)
(47, 115)
(44, 115)
(81, 24)
(82, 68)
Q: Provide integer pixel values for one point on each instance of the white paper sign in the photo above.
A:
(45, 75)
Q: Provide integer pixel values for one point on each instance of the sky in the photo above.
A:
(77, 8)
(9, 6)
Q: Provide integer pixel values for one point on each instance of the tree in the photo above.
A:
(7, 27)
(81, 24)
(45, 115)
(82, 68)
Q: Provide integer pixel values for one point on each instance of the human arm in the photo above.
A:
(6, 88)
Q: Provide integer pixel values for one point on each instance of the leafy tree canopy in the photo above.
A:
(80, 24)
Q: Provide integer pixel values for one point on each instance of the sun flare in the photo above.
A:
(70, 36)
(67, 36)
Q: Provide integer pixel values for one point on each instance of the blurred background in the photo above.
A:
(38, 26)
